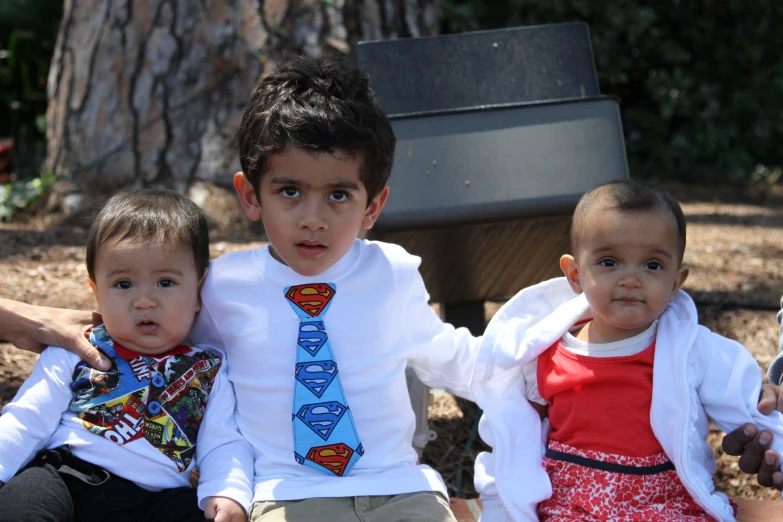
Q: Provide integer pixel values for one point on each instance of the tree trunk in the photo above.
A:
(150, 92)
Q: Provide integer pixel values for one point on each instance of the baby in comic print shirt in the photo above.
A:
(79, 443)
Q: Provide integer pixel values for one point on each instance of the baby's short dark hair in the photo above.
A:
(319, 105)
(150, 215)
(626, 196)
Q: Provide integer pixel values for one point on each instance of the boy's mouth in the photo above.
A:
(629, 299)
(310, 248)
(147, 327)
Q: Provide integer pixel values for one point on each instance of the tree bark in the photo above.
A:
(150, 92)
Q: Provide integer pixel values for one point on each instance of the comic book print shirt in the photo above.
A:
(159, 398)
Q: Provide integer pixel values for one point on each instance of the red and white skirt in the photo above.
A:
(594, 486)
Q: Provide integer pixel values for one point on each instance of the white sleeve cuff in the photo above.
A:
(236, 492)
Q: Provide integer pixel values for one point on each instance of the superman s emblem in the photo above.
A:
(322, 417)
(313, 299)
(334, 457)
(316, 375)
(312, 336)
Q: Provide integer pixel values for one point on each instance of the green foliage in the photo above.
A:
(18, 195)
(700, 81)
(28, 32)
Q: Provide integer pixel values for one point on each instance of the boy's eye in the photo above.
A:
(653, 265)
(608, 263)
(123, 285)
(339, 196)
(289, 192)
(165, 283)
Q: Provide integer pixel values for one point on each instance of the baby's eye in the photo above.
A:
(289, 192)
(339, 196)
(123, 285)
(165, 283)
(608, 263)
(653, 265)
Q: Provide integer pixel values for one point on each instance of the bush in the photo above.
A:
(699, 80)
(28, 32)
(18, 195)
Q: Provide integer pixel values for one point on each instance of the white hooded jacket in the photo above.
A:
(696, 374)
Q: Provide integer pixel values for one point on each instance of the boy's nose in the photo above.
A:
(311, 219)
(144, 301)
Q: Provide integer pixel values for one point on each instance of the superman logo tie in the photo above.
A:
(325, 436)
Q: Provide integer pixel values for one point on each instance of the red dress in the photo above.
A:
(603, 458)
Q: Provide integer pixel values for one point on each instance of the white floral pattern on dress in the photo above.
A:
(584, 494)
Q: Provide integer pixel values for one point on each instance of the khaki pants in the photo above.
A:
(411, 507)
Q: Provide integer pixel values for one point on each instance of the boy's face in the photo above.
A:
(313, 206)
(147, 294)
(628, 266)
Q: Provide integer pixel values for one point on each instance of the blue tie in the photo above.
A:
(325, 437)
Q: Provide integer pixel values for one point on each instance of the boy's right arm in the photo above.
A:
(33, 328)
(30, 419)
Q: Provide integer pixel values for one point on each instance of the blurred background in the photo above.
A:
(104, 95)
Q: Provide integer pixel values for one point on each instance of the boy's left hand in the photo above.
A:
(222, 509)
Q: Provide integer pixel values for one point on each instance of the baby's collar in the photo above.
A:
(101, 339)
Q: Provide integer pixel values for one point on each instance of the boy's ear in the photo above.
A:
(94, 289)
(247, 196)
(682, 275)
(201, 282)
(374, 208)
(571, 271)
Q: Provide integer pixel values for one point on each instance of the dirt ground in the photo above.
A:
(735, 250)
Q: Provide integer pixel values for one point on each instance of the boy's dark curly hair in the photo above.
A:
(320, 105)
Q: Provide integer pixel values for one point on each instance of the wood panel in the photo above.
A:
(477, 262)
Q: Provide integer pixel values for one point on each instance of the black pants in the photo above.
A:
(58, 487)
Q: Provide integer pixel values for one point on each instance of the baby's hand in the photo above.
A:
(222, 509)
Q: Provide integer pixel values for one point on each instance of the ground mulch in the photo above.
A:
(735, 251)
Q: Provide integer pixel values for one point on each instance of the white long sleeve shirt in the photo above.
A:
(39, 417)
(378, 319)
(697, 376)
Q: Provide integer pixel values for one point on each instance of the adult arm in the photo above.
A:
(775, 373)
(752, 444)
(33, 328)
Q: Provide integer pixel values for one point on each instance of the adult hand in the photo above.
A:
(33, 328)
(771, 399)
(753, 445)
(221, 509)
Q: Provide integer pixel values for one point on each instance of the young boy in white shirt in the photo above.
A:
(80, 443)
(628, 377)
(323, 320)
